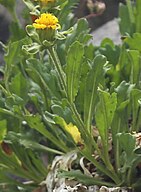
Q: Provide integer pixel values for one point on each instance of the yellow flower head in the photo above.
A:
(46, 2)
(46, 20)
(74, 132)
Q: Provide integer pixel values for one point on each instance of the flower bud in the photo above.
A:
(46, 26)
(46, 3)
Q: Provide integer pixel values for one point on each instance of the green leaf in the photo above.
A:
(120, 122)
(28, 143)
(128, 158)
(105, 112)
(37, 73)
(84, 72)
(31, 31)
(138, 16)
(110, 52)
(3, 129)
(123, 91)
(73, 69)
(14, 51)
(127, 143)
(94, 78)
(80, 177)
(135, 60)
(65, 15)
(13, 56)
(60, 121)
(19, 86)
(62, 111)
(126, 25)
(31, 48)
(22, 161)
(35, 122)
(80, 33)
(14, 101)
(136, 109)
(13, 120)
(131, 11)
(133, 42)
(38, 79)
(8, 182)
(89, 51)
(31, 6)
(16, 32)
(107, 41)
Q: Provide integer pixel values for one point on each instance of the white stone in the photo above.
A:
(108, 30)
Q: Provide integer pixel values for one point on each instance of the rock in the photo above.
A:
(108, 30)
(113, 189)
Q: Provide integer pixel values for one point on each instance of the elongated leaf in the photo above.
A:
(125, 22)
(135, 60)
(73, 69)
(133, 41)
(28, 143)
(80, 33)
(79, 176)
(35, 122)
(136, 110)
(19, 86)
(123, 91)
(7, 181)
(44, 77)
(104, 112)
(37, 78)
(129, 159)
(3, 129)
(14, 55)
(80, 97)
(120, 122)
(104, 115)
(94, 78)
(111, 53)
(138, 16)
(127, 143)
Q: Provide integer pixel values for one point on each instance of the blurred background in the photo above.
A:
(97, 12)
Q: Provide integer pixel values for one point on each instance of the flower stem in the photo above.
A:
(57, 65)
(62, 81)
